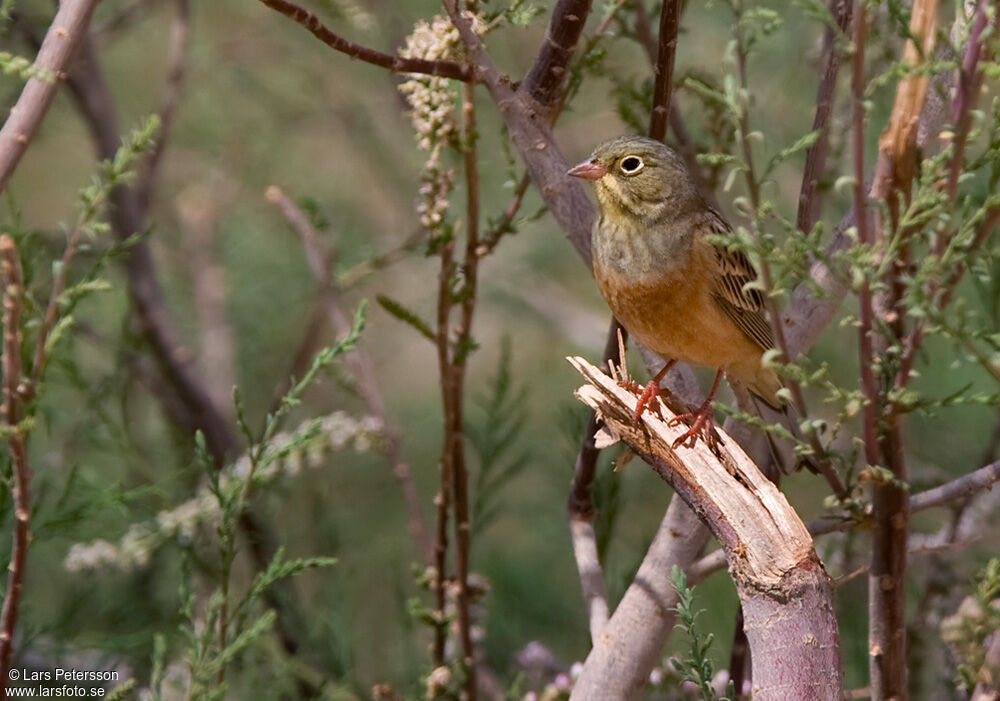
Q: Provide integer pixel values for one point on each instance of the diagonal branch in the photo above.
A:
(128, 217)
(444, 69)
(60, 43)
(360, 363)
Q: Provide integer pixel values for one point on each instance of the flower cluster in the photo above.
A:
(305, 447)
(432, 103)
(431, 98)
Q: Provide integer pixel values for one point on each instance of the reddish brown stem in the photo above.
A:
(810, 202)
(444, 69)
(460, 475)
(545, 80)
(13, 282)
(892, 184)
(663, 69)
(868, 384)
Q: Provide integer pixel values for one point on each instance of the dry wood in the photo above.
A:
(784, 590)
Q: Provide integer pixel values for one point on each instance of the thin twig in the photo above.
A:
(359, 361)
(868, 384)
(13, 303)
(505, 224)
(398, 64)
(460, 474)
(822, 464)
(60, 43)
(809, 197)
(443, 498)
(177, 56)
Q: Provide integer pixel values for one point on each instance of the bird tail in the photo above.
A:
(788, 417)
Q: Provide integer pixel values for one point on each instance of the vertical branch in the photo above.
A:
(892, 183)
(663, 69)
(176, 64)
(868, 384)
(13, 291)
(810, 203)
(753, 186)
(460, 475)
(580, 506)
(545, 79)
(443, 498)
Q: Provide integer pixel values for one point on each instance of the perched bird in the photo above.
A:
(678, 294)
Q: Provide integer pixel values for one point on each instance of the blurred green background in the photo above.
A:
(265, 103)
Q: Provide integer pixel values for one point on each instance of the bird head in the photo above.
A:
(638, 177)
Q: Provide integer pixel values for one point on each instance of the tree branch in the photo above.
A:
(580, 507)
(360, 363)
(545, 79)
(177, 56)
(13, 304)
(785, 593)
(894, 172)
(663, 69)
(809, 199)
(90, 91)
(444, 69)
(959, 489)
(64, 35)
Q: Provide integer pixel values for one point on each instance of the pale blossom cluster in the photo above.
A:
(431, 98)
(432, 110)
(307, 447)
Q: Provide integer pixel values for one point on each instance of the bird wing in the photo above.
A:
(733, 272)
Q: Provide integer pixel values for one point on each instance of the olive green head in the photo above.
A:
(638, 177)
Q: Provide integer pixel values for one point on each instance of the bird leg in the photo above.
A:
(703, 424)
(651, 390)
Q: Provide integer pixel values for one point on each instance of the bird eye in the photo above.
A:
(631, 165)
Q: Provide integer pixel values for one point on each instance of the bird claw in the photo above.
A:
(702, 426)
(646, 400)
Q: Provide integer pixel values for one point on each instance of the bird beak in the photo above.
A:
(588, 170)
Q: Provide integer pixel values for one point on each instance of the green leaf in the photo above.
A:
(397, 310)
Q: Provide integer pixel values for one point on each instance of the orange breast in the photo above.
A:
(675, 316)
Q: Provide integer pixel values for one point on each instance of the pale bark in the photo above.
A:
(786, 595)
(58, 47)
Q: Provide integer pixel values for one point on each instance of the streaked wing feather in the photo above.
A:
(734, 271)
